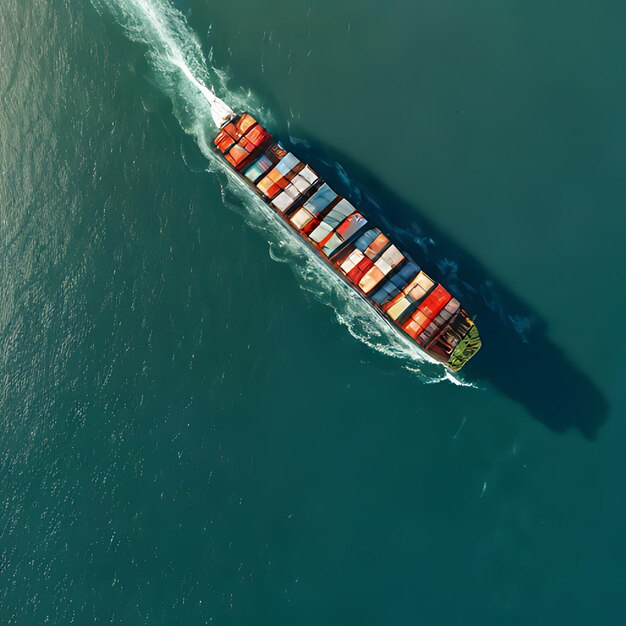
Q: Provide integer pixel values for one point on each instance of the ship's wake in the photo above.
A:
(191, 81)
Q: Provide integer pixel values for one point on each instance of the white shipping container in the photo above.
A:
(301, 218)
(282, 201)
(292, 191)
(392, 255)
(301, 183)
(321, 232)
(309, 175)
(383, 266)
(351, 262)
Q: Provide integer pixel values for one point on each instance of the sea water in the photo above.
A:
(201, 425)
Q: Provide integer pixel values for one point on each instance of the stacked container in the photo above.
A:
(239, 141)
(387, 261)
(426, 312)
(439, 322)
(310, 215)
(287, 182)
(413, 292)
(392, 287)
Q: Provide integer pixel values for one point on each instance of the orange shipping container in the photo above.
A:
(417, 323)
(223, 141)
(412, 328)
(231, 129)
(376, 246)
(268, 187)
(237, 156)
(371, 279)
(245, 123)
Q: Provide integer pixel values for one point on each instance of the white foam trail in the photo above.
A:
(175, 52)
(220, 111)
(459, 382)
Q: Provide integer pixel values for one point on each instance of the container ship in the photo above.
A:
(389, 280)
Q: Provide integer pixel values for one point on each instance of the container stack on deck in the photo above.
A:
(365, 257)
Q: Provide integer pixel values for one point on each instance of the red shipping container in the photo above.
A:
(225, 145)
(356, 273)
(343, 227)
(312, 225)
(248, 145)
(273, 191)
(435, 302)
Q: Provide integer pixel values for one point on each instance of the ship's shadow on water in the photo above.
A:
(517, 357)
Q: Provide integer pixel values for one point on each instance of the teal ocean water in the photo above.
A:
(199, 428)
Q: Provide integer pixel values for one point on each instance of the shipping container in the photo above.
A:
(355, 257)
(320, 200)
(351, 226)
(385, 292)
(371, 278)
(435, 302)
(363, 242)
(376, 247)
(258, 168)
(301, 218)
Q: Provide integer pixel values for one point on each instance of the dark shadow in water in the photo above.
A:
(517, 357)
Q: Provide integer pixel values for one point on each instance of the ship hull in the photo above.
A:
(399, 292)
